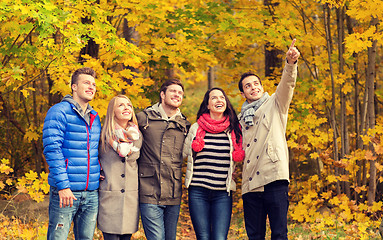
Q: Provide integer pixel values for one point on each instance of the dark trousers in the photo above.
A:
(274, 203)
(108, 236)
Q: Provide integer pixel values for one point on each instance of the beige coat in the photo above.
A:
(188, 152)
(118, 194)
(266, 153)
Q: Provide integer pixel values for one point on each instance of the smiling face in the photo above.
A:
(172, 97)
(123, 111)
(217, 103)
(85, 89)
(252, 88)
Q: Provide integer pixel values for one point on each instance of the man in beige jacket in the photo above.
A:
(265, 176)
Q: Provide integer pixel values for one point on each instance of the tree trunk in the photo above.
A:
(371, 112)
(333, 113)
(345, 148)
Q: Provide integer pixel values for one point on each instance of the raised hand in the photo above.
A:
(292, 54)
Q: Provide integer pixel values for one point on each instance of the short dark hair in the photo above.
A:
(169, 82)
(78, 72)
(229, 111)
(245, 75)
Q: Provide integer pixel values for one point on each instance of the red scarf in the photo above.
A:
(207, 124)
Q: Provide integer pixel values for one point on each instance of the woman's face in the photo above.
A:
(217, 102)
(123, 110)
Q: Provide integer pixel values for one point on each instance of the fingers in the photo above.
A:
(66, 198)
(292, 54)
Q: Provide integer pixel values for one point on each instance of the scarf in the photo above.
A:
(206, 123)
(123, 139)
(248, 110)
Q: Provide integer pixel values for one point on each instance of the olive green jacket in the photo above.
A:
(160, 162)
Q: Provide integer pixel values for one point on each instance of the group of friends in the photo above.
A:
(109, 176)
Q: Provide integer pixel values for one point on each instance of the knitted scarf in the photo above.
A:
(248, 110)
(122, 139)
(206, 123)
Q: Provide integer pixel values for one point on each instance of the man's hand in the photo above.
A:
(66, 198)
(292, 54)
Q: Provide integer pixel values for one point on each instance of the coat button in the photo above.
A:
(257, 172)
(122, 175)
(248, 145)
(122, 190)
(123, 160)
(256, 123)
(250, 178)
(247, 128)
(248, 161)
(255, 140)
(257, 157)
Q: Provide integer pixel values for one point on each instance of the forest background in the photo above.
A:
(335, 120)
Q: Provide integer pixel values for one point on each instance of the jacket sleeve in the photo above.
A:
(53, 138)
(285, 89)
(187, 150)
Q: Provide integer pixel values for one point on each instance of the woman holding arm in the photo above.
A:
(119, 150)
(212, 146)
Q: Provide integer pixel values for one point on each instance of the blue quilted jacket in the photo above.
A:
(71, 147)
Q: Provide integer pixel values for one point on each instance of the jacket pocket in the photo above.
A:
(177, 190)
(272, 152)
(147, 180)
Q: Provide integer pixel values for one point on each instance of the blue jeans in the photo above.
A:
(210, 212)
(83, 213)
(159, 221)
(273, 202)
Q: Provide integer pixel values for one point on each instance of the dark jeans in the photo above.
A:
(274, 203)
(108, 236)
(210, 212)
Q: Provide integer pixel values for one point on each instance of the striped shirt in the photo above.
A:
(212, 164)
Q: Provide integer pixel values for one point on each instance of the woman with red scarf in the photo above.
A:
(213, 145)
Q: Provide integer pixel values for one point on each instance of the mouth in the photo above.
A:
(219, 106)
(89, 92)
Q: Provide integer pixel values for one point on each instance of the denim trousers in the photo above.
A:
(210, 212)
(159, 221)
(274, 203)
(83, 213)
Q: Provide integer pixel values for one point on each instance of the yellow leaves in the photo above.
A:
(35, 186)
(332, 178)
(4, 168)
(358, 42)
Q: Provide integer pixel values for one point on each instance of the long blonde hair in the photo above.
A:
(109, 122)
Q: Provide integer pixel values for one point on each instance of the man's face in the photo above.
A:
(252, 88)
(85, 88)
(173, 96)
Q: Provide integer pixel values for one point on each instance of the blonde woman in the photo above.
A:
(119, 150)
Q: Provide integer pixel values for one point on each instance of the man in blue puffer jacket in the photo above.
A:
(70, 135)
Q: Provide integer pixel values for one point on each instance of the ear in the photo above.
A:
(243, 95)
(162, 95)
(74, 87)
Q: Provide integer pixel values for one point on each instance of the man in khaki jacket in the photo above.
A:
(265, 176)
(164, 129)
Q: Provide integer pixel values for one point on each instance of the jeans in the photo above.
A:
(273, 202)
(159, 221)
(83, 213)
(210, 212)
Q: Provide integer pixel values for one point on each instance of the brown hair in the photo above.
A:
(78, 72)
(167, 83)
